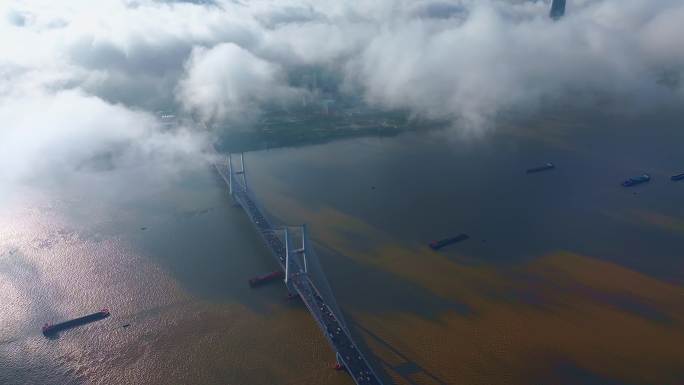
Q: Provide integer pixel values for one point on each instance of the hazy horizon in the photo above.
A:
(385, 126)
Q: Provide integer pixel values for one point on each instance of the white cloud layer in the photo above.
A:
(441, 58)
(53, 138)
(228, 82)
(85, 71)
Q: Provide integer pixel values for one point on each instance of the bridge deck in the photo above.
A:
(333, 328)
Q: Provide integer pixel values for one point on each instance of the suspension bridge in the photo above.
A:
(304, 277)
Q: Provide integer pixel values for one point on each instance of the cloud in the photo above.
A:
(228, 82)
(16, 18)
(505, 57)
(113, 63)
(54, 137)
(458, 58)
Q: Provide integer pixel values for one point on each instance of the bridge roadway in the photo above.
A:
(337, 335)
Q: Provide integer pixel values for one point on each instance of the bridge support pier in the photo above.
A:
(231, 177)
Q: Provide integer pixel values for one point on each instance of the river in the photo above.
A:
(567, 278)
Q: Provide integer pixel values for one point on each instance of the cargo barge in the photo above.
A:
(51, 329)
(436, 245)
(545, 167)
(636, 180)
(677, 177)
(261, 279)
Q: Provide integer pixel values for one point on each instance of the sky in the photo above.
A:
(83, 80)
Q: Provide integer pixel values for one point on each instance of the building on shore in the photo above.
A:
(557, 9)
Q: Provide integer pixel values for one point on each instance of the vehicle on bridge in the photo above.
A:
(294, 263)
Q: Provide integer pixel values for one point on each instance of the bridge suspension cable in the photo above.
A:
(304, 276)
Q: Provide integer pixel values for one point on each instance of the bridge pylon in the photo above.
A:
(295, 254)
(303, 276)
(232, 173)
(302, 250)
(295, 257)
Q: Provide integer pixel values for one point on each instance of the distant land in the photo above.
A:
(291, 129)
